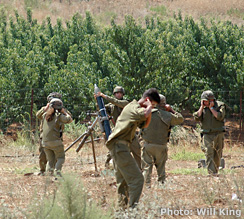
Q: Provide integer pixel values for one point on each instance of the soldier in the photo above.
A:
(53, 120)
(114, 108)
(116, 103)
(39, 114)
(211, 114)
(129, 177)
(155, 138)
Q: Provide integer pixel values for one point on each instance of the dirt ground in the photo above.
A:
(190, 190)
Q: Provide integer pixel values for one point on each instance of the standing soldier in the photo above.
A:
(128, 175)
(39, 114)
(53, 120)
(155, 138)
(116, 103)
(211, 114)
(114, 108)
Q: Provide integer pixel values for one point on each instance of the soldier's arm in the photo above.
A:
(108, 108)
(177, 119)
(41, 112)
(65, 117)
(148, 112)
(196, 117)
(220, 115)
(116, 102)
(199, 112)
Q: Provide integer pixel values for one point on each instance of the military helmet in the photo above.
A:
(56, 103)
(53, 95)
(119, 89)
(207, 95)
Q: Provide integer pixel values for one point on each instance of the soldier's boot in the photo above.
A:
(108, 160)
(202, 163)
(222, 164)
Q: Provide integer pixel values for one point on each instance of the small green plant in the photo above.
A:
(217, 190)
(2, 138)
(186, 171)
(68, 200)
(26, 170)
(26, 136)
(159, 10)
(106, 17)
(75, 129)
(187, 155)
(182, 137)
(31, 3)
(24, 140)
(236, 12)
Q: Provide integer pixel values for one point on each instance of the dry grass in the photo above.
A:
(187, 187)
(103, 10)
(218, 9)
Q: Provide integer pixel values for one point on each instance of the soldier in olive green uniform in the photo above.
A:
(39, 114)
(53, 120)
(211, 114)
(128, 175)
(116, 103)
(114, 108)
(155, 138)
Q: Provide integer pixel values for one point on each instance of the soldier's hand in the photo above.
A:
(211, 104)
(147, 103)
(99, 94)
(63, 111)
(167, 107)
(50, 109)
(202, 103)
(47, 106)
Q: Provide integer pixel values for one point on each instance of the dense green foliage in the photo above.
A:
(179, 57)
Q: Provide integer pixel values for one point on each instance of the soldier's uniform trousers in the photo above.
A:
(42, 158)
(212, 146)
(54, 153)
(135, 149)
(154, 154)
(129, 177)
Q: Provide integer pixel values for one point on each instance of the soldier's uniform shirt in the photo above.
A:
(115, 107)
(39, 115)
(128, 175)
(209, 123)
(212, 130)
(42, 155)
(52, 141)
(158, 130)
(132, 116)
(155, 138)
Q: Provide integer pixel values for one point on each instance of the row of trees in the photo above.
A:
(178, 56)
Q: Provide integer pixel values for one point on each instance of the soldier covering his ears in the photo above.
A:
(211, 114)
(42, 155)
(128, 175)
